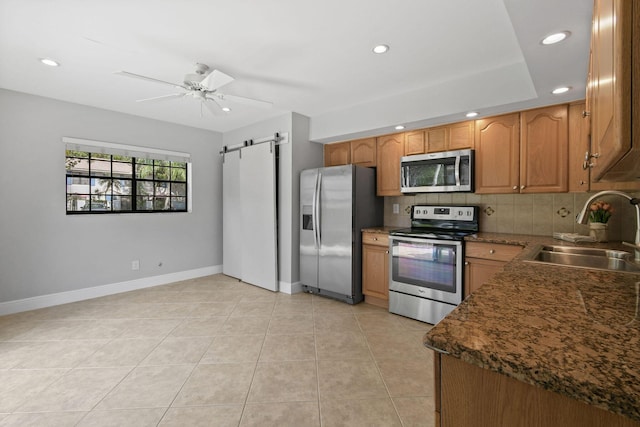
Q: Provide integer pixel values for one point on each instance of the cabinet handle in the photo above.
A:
(492, 251)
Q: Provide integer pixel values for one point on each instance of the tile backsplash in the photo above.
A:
(539, 214)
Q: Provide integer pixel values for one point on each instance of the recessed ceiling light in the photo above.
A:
(399, 127)
(562, 89)
(472, 114)
(49, 62)
(381, 48)
(555, 38)
(226, 109)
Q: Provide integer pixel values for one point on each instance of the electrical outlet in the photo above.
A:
(135, 264)
(396, 208)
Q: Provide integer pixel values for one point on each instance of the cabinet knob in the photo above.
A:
(466, 263)
(522, 187)
(375, 238)
(586, 114)
(492, 251)
(386, 252)
(515, 187)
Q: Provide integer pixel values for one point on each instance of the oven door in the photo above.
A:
(426, 268)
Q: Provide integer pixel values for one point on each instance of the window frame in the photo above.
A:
(137, 158)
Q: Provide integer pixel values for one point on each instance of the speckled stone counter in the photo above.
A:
(569, 330)
(379, 230)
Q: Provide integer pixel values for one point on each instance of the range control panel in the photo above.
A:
(455, 213)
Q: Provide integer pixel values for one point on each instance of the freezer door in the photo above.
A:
(308, 228)
(336, 230)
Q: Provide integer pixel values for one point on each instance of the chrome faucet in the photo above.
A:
(582, 217)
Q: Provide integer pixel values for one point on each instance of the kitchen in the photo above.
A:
(502, 213)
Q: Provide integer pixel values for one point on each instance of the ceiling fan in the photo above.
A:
(203, 85)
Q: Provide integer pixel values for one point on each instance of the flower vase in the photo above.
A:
(598, 230)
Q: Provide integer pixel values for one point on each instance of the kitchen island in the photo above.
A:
(545, 338)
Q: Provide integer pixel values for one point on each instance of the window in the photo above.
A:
(99, 181)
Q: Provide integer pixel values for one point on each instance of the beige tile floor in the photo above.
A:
(213, 352)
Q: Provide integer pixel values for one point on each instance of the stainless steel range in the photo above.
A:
(426, 271)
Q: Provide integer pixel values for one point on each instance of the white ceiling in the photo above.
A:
(309, 57)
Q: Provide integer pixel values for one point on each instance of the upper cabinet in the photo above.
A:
(390, 149)
(414, 143)
(363, 152)
(544, 150)
(523, 152)
(497, 154)
(461, 135)
(337, 154)
(614, 65)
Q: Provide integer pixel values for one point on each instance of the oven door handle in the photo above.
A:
(457, 171)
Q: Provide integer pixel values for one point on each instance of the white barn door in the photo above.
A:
(249, 216)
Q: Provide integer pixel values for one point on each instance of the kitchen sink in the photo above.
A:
(593, 258)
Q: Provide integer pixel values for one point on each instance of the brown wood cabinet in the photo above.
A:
(523, 152)
(363, 152)
(483, 260)
(578, 148)
(375, 268)
(436, 139)
(498, 154)
(544, 150)
(337, 154)
(389, 150)
(414, 143)
(461, 135)
(615, 64)
(470, 396)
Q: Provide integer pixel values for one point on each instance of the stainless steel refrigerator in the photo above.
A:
(335, 204)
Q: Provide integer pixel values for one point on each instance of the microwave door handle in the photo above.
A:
(457, 171)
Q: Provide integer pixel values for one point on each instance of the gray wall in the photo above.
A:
(45, 251)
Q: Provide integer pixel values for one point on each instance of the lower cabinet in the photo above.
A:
(375, 268)
(470, 396)
(483, 260)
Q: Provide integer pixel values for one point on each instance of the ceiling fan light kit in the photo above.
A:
(202, 85)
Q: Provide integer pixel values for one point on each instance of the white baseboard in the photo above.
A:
(49, 300)
(290, 288)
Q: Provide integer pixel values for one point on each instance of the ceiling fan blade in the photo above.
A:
(247, 101)
(149, 79)
(216, 79)
(214, 109)
(163, 97)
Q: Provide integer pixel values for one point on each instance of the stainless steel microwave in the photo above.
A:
(444, 172)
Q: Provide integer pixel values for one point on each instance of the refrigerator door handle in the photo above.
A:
(316, 213)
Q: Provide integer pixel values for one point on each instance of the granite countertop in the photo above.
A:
(569, 330)
(379, 230)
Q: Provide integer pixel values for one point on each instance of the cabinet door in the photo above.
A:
(461, 135)
(610, 85)
(337, 154)
(544, 150)
(436, 139)
(390, 149)
(375, 271)
(578, 147)
(478, 272)
(497, 154)
(363, 152)
(414, 143)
